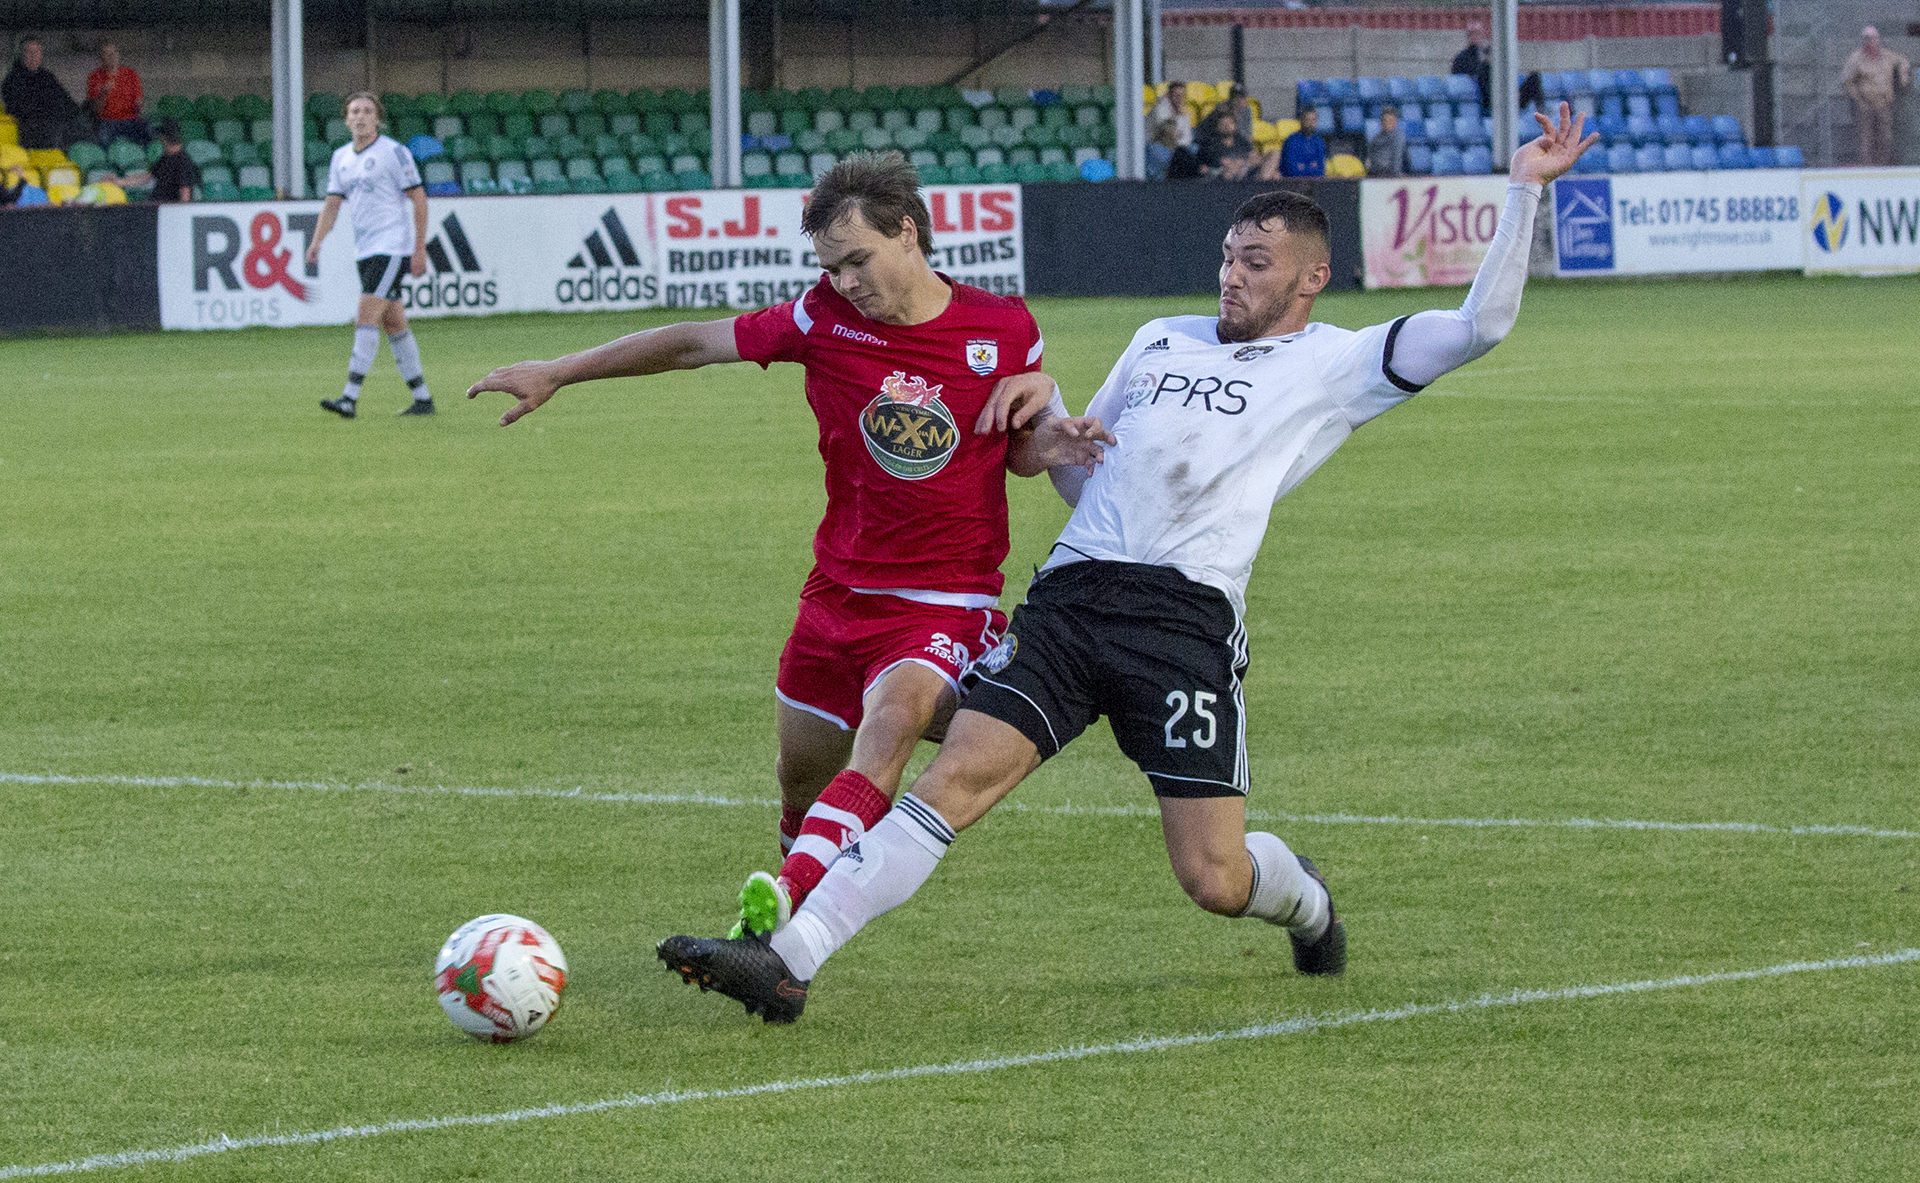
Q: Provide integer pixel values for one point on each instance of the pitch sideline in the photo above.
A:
(581, 794)
(1305, 1024)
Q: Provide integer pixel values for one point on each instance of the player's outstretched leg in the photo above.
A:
(1231, 872)
(1289, 891)
(366, 345)
(1326, 954)
(406, 358)
(744, 969)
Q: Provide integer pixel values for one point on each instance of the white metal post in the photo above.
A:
(1129, 80)
(1503, 93)
(1156, 45)
(289, 101)
(723, 82)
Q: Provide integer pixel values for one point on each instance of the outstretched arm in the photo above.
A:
(684, 346)
(1431, 343)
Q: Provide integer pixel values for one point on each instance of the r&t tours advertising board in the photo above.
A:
(239, 265)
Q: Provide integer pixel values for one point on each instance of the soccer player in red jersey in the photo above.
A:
(901, 367)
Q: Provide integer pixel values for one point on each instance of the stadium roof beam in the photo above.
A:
(289, 100)
(1505, 87)
(1129, 82)
(723, 85)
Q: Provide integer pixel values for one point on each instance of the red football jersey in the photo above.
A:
(915, 499)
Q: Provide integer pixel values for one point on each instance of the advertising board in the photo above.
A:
(244, 264)
(1671, 223)
(1421, 231)
(1865, 221)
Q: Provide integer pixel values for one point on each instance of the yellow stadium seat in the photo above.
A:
(101, 193)
(1342, 165)
(1282, 128)
(1199, 93)
(63, 174)
(14, 156)
(48, 158)
(9, 132)
(61, 194)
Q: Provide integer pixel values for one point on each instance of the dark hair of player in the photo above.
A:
(882, 186)
(1296, 213)
(169, 131)
(379, 108)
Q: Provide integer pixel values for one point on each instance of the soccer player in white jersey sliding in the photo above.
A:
(380, 184)
(1137, 614)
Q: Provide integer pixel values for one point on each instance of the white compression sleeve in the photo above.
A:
(1431, 343)
(1069, 479)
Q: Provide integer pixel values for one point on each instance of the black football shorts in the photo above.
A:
(380, 275)
(1158, 654)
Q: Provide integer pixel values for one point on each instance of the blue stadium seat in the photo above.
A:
(1704, 158)
(1419, 159)
(1461, 87)
(1430, 87)
(1309, 92)
(1440, 111)
(1679, 158)
(1621, 159)
(1788, 156)
(1651, 158)
(1477, 160)
(1642, 129)
(1415, 128)
(1600, 82)
(1373, 90)
(1699, 128)
(1613, 127)
(1439, 131)
(1343, 90)
(1372, 129)
(1732, 156)
(1614, 104)
(1551, 88)
(1666, 104)
(1470, 108)
(1658, 81)
(1446, 161)
(1096, 170)
(1593, 160)
(1629, 82)
(1573, 82)
(426, 148)
(1401, 89)
(1639, 104)
(1726, 129)
(1353, 117)
(1671, 129)
(1466, 130)
(1760, 158)
(1326, 118)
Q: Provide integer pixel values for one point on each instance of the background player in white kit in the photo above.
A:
(1137, 614)
(378, 180)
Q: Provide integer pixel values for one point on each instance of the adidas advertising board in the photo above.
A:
(1864, 221)
(240, 265)
(1671, 223)
(1428, 231)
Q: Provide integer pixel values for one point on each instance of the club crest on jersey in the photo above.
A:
(1249, 352)
(983, 357)
(1141, 388)
(909, 431)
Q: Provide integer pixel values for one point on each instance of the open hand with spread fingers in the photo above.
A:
(1560, 143)
(532, 382)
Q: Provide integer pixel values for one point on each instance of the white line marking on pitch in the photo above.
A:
(1305, 1024)
(1070, 810)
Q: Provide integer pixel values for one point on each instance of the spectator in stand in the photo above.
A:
(13, 183)
(1304, 154)
(1387, 150)
(174, 174)
(1227, 155)
(1242, 108)
(1170, 136)
(36, 100)
(113, 91)
(1476, 63)
(1873, 79)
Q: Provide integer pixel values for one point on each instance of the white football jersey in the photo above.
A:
(1211, 435)
(375, 184)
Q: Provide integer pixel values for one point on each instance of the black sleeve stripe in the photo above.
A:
(1386, 360)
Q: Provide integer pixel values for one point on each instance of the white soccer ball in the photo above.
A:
(500, 977)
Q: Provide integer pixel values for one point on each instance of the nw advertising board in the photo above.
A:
(1864, 221)
(1421, 231)
(239, 265)
(1669, 223)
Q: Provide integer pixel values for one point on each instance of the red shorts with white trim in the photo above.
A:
(844, 640)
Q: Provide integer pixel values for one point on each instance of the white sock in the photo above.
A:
(366, 346)
(1283, 892)
(874, 875)
(406, 358)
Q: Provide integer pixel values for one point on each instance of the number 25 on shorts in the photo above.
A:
(1200, 702)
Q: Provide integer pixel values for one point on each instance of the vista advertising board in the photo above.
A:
(1421, 231)
(1863, 221)
(1670, 223)
(238, 265)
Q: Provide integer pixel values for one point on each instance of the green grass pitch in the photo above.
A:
(1657, 558)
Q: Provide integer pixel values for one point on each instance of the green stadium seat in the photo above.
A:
(337, 133)
(909, 138)
(1103, 95)
(174, 106)
(790, 164)
(482, 125)
(686, 163)
(955, 158)
(240, 154)
(921, 158)
(944, 96)
(1056, 116)
(623, 182)
(310, 128)
(975, 137)
(554, 125)
(1006, 137)
(762, 123)
(1104, 135)
(660, 123)
(675, 144)
(212, 108)
(465, 148)
(589, 124)
(218, 189)
(783, 100)
(323, 106)
(639, 144)
(614, 162)
(1029, 173)
(844, 98)
(649, 164)
(752, 101)
(474, 171)
(993, 117)
(1053, 155)
(126, 155)
(754, 165)
(819, 162)
(512, 176)
(700, 140)
(625, 123)
(880, 98)
(895, 120)
(656, 182)
(964, 174)
(1089, 116)
(943, 141)
(1039, 135)
(1021, 118)
(1012, 96)
(810, 142)
(677, 101)
(828, 121)
(610, 103)
(87, 155)
(793, 122)
(692, 121)
(606, 145)
(260, 131)
(204, 152)
(553, 187)
(227, 131)
(1020, 156)
(430, 105)
(315, 152)
(1073, 94)
(505, 148)
(500, 102)
(1074, 136)
(397, 105)
(408, 126)
(193, 129)
(862, 120)
(643, 100)
(568, 147)
(546, 169)
(932, 174)
(216, 172)
(592, 184)
(573, 102)
(1062, 171)
(911, 96)
(692, 179)
(537, 147)
(438, 172)
(842, 142)
(876, 139)
(996, 174)
(518, 124)
(581, 166)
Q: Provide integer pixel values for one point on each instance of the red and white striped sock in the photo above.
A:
(849, 804)
(790, 822)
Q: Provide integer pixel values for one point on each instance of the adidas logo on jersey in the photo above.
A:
(1157, 345)
(465, 285)
(613, 276)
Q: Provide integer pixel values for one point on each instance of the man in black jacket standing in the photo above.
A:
(35, 98)
(1476, 63)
